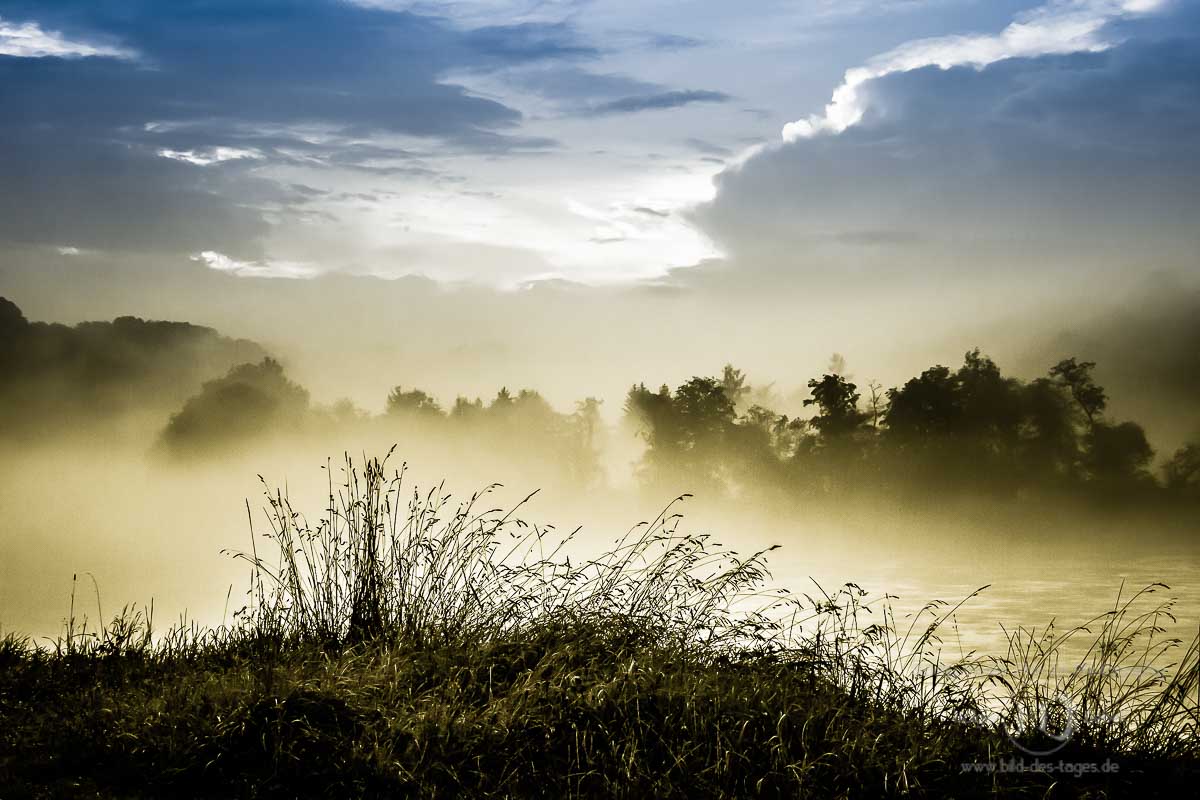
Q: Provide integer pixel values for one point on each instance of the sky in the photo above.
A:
(898, 180)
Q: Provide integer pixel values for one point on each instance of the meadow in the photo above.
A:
(403, 643)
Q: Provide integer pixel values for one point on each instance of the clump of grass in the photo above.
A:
(388, 564)
(1133, 690)
(409, 645)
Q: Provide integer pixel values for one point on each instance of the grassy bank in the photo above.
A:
(409, 646)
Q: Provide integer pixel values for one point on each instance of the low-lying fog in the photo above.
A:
(96, 482)
(146, 528)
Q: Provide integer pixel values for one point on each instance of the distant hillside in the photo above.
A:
(56, 376)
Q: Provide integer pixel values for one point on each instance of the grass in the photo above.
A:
(406, 645)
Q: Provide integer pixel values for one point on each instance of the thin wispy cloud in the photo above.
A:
(30, 40)
(660, 101)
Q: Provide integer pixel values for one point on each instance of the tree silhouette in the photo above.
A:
(250, 400)
(837, 400)
(502, 402)
(926, 407)
(412, 403)
(1077, 377)
(705, 412)
(651, 415)
(11, 318)
(989, 403)
(59, 378)
(585, 454)
(1049, 443)
(1182, 472)
(465, 409)
(733, 382)
(1118, 454)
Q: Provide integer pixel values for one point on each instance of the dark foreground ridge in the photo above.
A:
(408, 647)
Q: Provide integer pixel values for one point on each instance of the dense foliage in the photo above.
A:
(946, 430)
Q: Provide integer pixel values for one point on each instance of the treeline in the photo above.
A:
(256, 400)
(945, 431)
(969, 429)
(56, 378)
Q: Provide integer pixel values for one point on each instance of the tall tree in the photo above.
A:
(1049, 440)
(925, 407)
(1182, 472)
(733, 382)
(1076, 376)
(837, 401)
(705, 412)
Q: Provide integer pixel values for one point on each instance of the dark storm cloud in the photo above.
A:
(660, 101)
(1059, 158)
(80, 162)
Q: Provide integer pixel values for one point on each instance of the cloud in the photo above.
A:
(708, 148)
(570, 83)
(1057, 28)
(528, 41)
(1030, 169)
(248, 66)
(210, 156)
(671, 41)
(29, 40)
(477, 12)
(250, 269)
(661, 101)
(653, 212)
(103, 152)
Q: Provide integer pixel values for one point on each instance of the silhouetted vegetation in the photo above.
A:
(406, 646)
(969, 430)
(946, 431)
(57, 378)
(250, 400)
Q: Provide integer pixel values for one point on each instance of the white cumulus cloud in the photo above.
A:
(1058, 28)
(29, 40)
